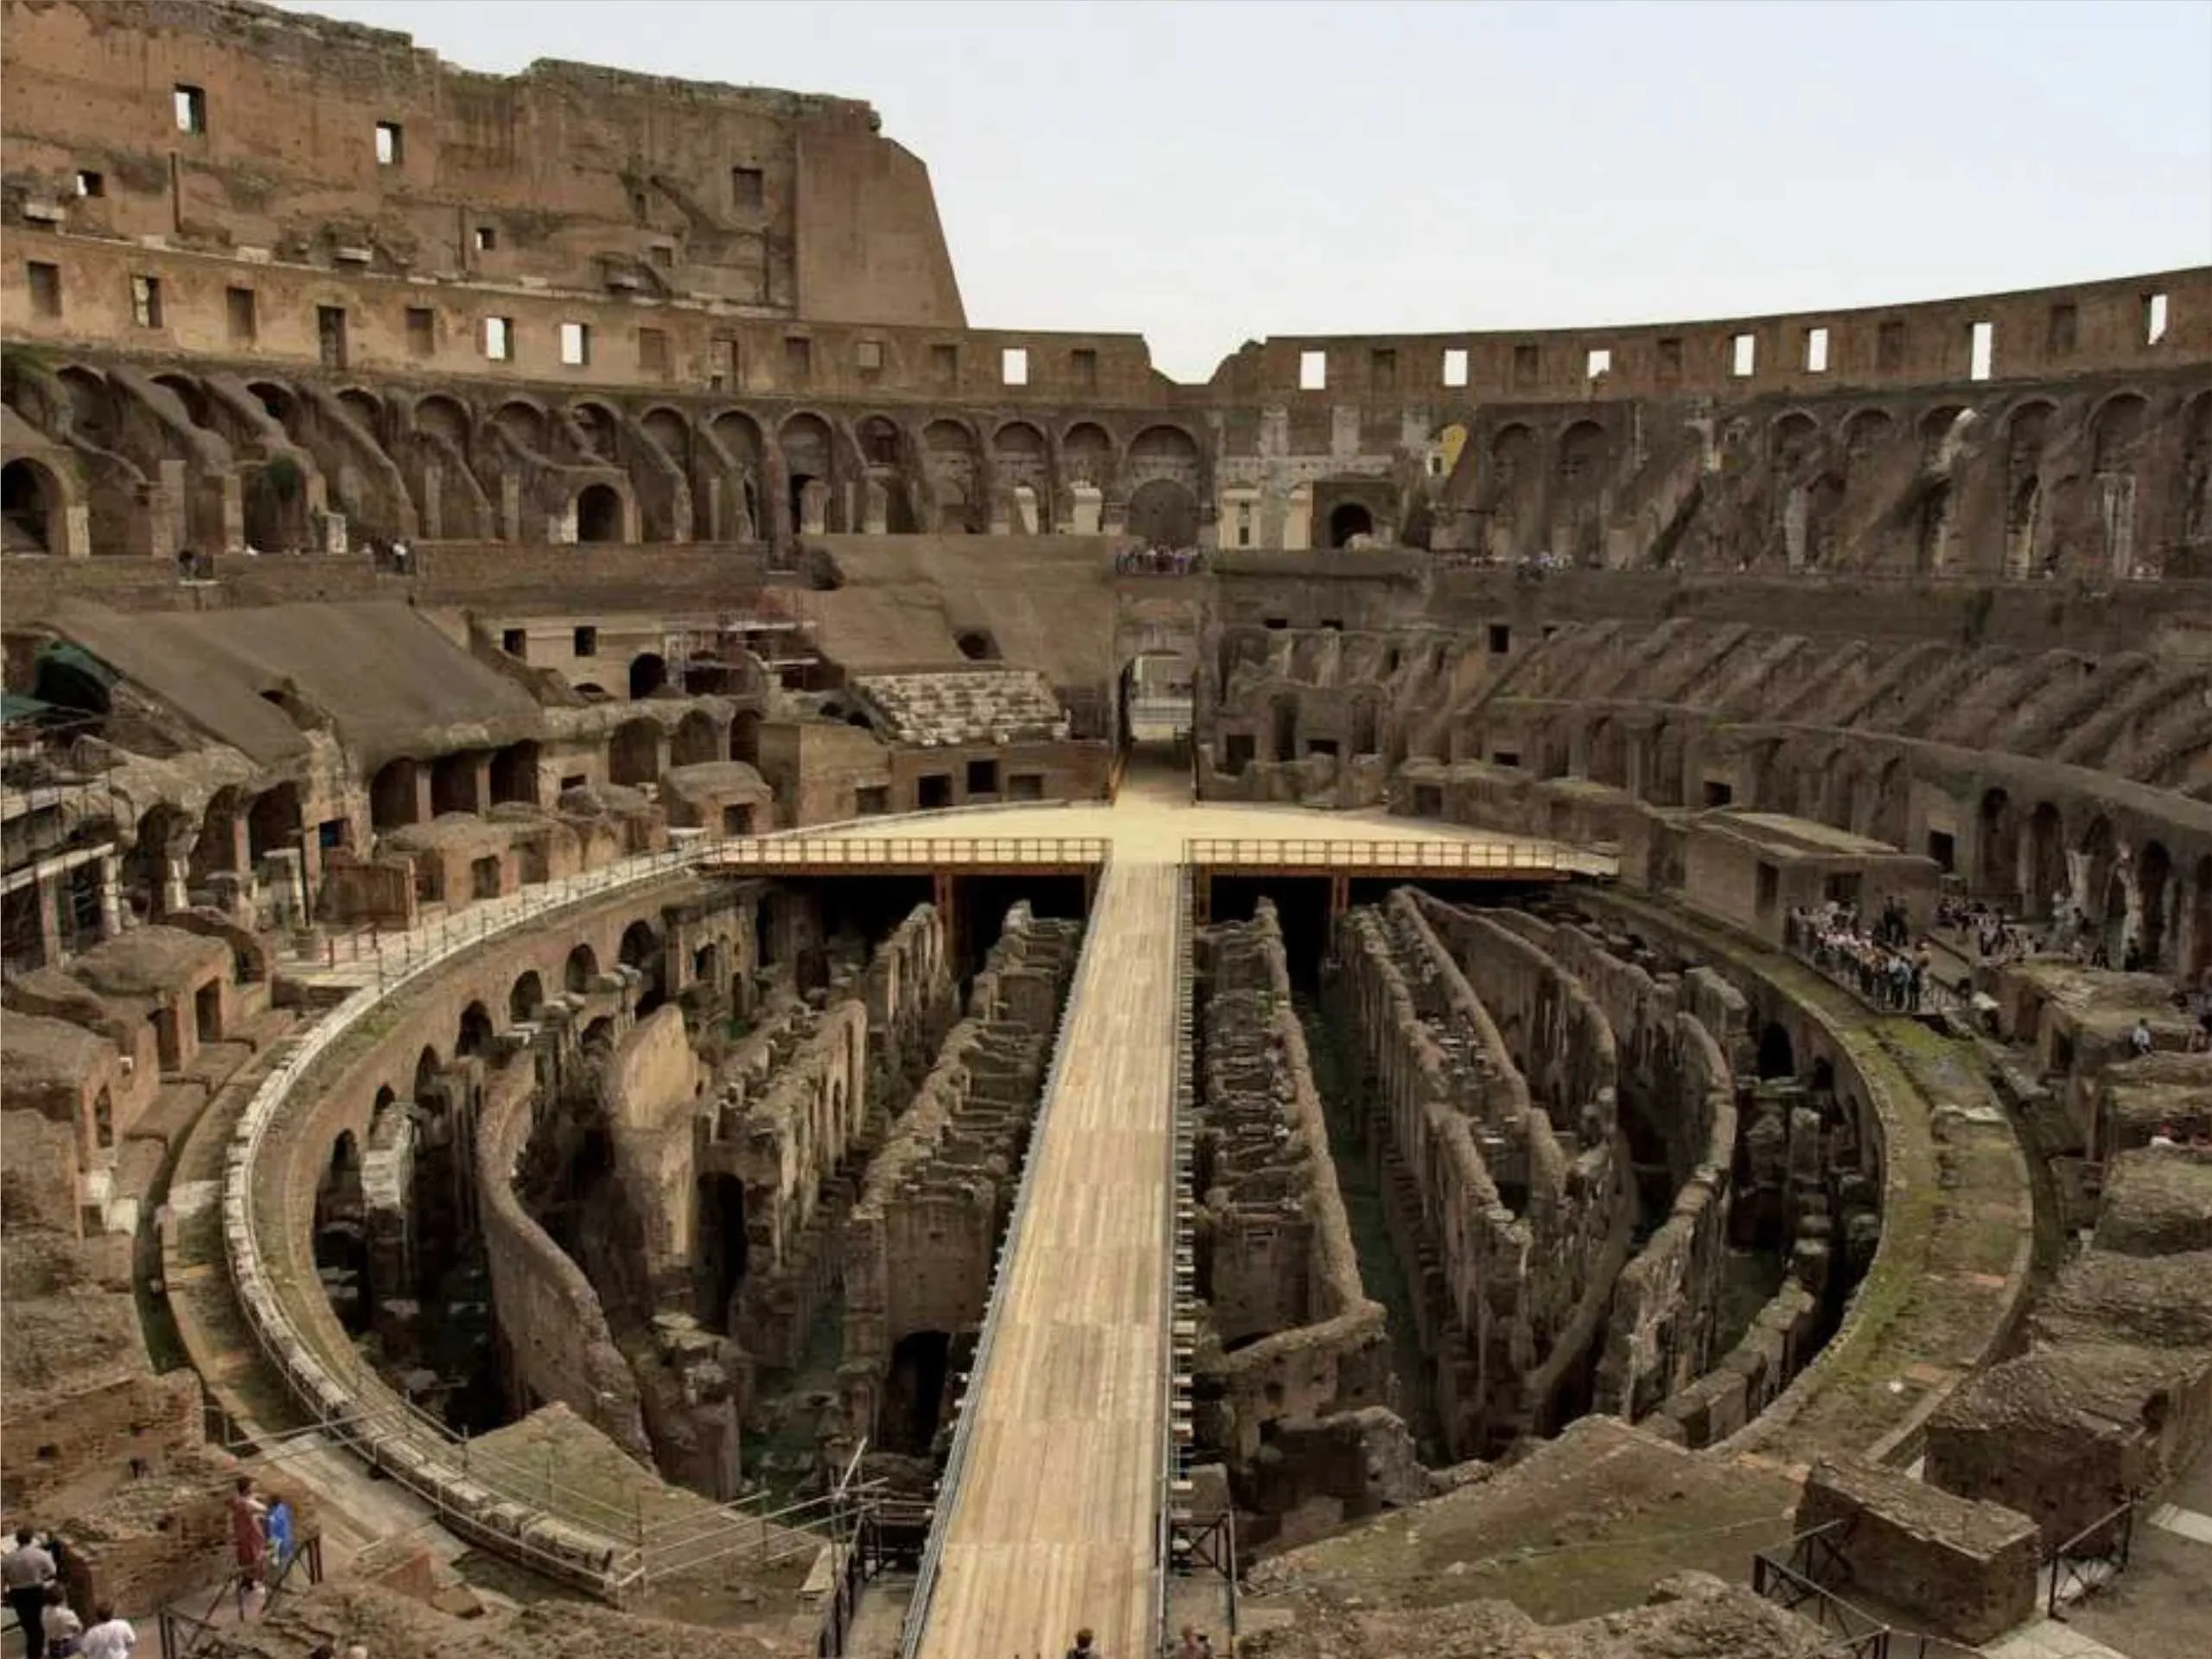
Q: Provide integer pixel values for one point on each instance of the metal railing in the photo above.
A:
(2091, 1559)
(1087, 969)
(1180, 1085)
(1934, 997)
(1434, 857)
(519, 1511)
(839, 852)
(1798, 1579)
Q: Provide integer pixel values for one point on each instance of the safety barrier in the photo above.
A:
(516, 1511)
(789, 853)
(1445, 858)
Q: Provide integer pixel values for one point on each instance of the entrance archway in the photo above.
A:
(598, 513)
(29, 502)
(1349, 520)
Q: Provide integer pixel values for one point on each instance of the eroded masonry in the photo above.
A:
(567, 722)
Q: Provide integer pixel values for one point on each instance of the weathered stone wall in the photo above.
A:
(1294, 1355)
(923, 1235)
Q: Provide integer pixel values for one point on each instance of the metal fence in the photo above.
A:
(1383, 856)
(927, 853)
(2092, 1558)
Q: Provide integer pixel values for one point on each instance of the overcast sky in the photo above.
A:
(1206, 172)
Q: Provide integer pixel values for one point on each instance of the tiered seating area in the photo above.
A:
(941, 710)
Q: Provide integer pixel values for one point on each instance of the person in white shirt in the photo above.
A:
(64, 1630)
(112, 1638)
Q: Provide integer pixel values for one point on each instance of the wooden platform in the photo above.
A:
(1053, 1524)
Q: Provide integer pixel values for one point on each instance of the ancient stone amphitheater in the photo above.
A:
(714, 965)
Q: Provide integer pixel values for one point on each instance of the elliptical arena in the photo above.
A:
(721, 966)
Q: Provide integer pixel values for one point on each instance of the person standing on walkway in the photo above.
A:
(64, 1630)
(112, 1638)
(249, 1540)
(1083, 1650)
(25, 1572)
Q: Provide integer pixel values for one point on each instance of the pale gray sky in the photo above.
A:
(1206, 171)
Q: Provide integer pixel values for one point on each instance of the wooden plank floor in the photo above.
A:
(1053, 1525)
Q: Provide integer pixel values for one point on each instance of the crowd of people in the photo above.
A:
(1159, 561)
(1879, 958)
(263, 1540)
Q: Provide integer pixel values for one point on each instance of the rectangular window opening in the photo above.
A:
(662, 255)
(1816, 351)
(2065, 325)
(331, 335)
(487, 237)
(239, 311)
(1455, 366)
(722, 359)
(1527, 366)
(1014, 367)
(45, 287)
(2154, 318)
(515, 642)
(1742, 355)
(1382, 369)
(1500, 639)
(652, 351)
(586, 642)
(1670, 359)
(499, 339)
(868, 356)
(92, 184)
(576, 344)
(421, 331)
(191, 109)
(798, 357)
(1083, 363)
(1599, 363)
(1313, 371)
(146, 301)
(390, 143)
(944, 365)
(745, 187)
(1981, 351)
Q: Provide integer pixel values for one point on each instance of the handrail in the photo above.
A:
(785, 851)
(1269, 852)
(1179, 1087)
(1087, 968)
(2071, 1563)
(502, 1504)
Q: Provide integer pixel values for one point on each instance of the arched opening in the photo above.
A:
(475, 1036)
(2200, 922)
(1776, 1057)
(706, 966)
(341, 1254)
(1997, 851)
(514, 774)
(1163, 513)
(633, 753)
(745, 738)
(452, 784)
(641, 950)
(393, 795)
(1349, 520)
(582, 967)
(2023, 519)
(215, 850)
(29, 501)
(648, 674)
(598, 513)
(2043, 868)
(525, 999)
(879, 442)
(162, 832)
(695, 742)
(2154, 868)
(723, 1247)
(426, 1070)
(906, 1418)
(976, 645)
(274, 821)
(804, 441)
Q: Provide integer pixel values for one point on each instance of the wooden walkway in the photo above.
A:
(1053, 1525)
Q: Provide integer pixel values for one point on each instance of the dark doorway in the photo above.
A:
(722, 1248)
(914, 1393)
(1350, 520)
(598, 513)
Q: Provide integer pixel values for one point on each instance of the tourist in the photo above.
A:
(1188, 1648)
(64, 1630)
(25, 1572)
(2163, 1139)
(2139, 1039)
(109, 1638)
(248, 1514)
(1083, 1650)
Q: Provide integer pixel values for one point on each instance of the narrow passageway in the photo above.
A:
(1053, 1524)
